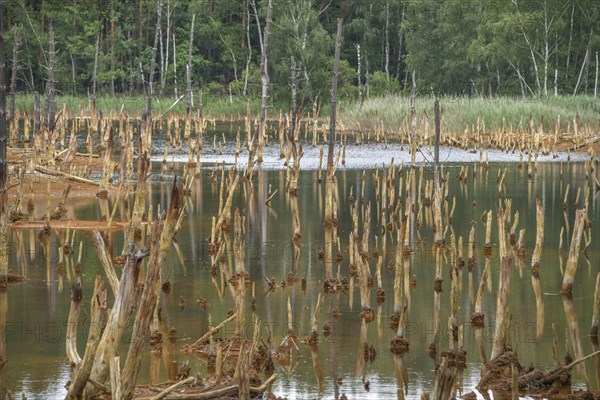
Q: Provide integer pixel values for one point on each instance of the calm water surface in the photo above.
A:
(38, 310)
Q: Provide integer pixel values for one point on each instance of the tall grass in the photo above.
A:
(211, 106)
(460, 113)
(391, 112)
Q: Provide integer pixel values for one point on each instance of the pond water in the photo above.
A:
(38, 310)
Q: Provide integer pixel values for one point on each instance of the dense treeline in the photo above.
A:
(471, 47)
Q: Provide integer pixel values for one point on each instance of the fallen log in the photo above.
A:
(64, 224)
(216, 393)
(69, 177)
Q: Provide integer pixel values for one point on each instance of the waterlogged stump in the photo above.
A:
(399, 346)
(368, 314)
(497, 375)
(11, 279)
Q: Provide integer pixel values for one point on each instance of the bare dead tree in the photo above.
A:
(188, 72)
(294, 86)
(51, 84)
(387, 41)
(249, 58)
(264, 79)
(400, 38)
(258, 137)
(596, 78)
(13, 77)
(174, 70)
(95, 73)
(334, 89)
(358, 73)
(146, 116)
(584, 65)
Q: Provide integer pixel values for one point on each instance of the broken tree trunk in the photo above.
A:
(535, 270)
(502, 314)
(97, 314)
(144, 315)
(134, 234)
(117, 320)
(106, 262)
(107, 166)
(569, 277)
(71, 334)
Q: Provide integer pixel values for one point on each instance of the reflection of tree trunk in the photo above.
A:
(297, 235)
(574, 330)
(313, 339)
(333, 356)
(168, 347)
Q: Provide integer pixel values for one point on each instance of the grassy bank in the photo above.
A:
(460, 113)
(211, 106)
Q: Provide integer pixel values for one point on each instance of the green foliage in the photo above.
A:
(380, 86)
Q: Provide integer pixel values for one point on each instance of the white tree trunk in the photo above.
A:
(596, 78)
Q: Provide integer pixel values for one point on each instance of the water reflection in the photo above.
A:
(286, 237)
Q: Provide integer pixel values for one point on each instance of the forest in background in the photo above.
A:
(519, 48)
